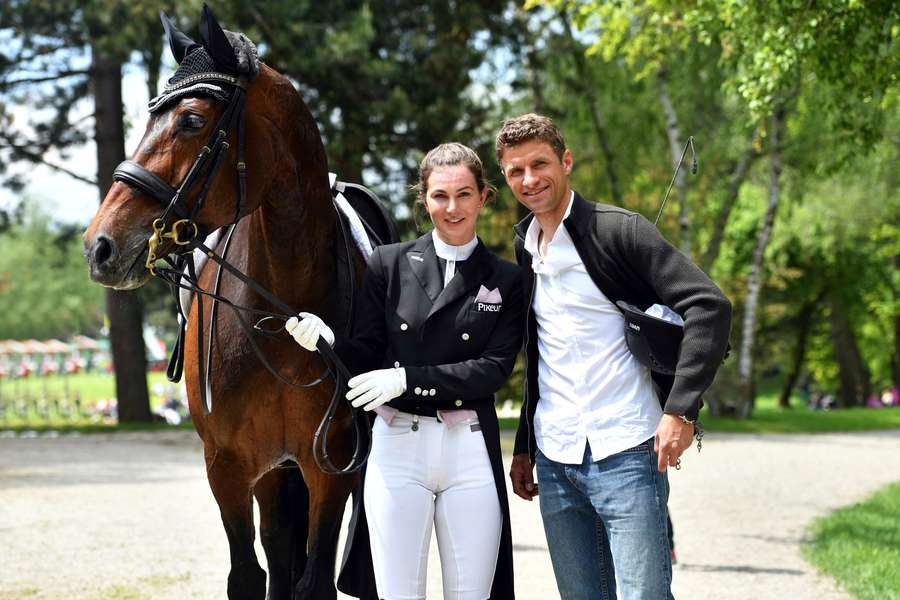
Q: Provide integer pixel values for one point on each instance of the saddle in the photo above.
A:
(363, 221)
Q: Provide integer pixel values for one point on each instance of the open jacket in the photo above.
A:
(627, 259)
(458, 345)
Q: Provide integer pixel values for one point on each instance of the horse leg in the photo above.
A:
(230, 485)
(327, 496)
(283, 521)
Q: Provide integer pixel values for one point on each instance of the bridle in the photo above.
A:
(186, 235)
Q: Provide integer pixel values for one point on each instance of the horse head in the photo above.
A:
(185, 175)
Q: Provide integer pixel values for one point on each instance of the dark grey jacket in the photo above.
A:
(628, 259)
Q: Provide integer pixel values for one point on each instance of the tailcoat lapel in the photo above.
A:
(424, 264)
(469, 273)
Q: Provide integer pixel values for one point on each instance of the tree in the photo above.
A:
(769, 54)
(386, 80)
(43, 290)
(61, 53)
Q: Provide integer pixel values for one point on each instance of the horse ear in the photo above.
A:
(216, 43)
(180, 44)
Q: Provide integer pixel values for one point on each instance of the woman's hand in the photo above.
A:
(376, 387)
(307, 329)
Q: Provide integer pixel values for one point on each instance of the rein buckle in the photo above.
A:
(176, 234)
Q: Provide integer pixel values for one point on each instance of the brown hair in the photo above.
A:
(450, 155)
(526, 128)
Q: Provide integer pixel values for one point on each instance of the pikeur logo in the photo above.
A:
(481, 306)
(635, 327)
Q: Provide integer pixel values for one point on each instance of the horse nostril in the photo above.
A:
(103, 249)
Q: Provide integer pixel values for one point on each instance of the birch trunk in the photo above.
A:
(675, 145)
(757, 270)
(585, 83)
(124, 309)
(738, 176)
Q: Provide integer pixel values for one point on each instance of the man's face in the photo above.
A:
(537, 178)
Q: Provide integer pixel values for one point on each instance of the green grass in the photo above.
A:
(63, 402)
(768, 417)
(860, 546)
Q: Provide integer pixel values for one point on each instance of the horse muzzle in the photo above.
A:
(116, 265)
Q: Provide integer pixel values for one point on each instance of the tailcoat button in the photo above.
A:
(458, 403)
(417, 391)
(433, 391)
(403, 326)
(396, 363)
(465, 337)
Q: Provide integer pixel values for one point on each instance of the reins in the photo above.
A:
(186, 236)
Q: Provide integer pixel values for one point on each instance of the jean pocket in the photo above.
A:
(642, 447)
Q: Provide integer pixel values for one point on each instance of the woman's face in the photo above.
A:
(453, 203)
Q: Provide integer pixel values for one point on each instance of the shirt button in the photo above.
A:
(403, 326)
(396, 363)
(418, 391)
(465, 337)
(457, 403)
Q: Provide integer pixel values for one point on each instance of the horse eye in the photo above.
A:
(191, 121)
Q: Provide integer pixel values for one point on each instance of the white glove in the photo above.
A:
(306, 332)
(376, 387)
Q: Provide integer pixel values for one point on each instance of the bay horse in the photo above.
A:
(284, 239)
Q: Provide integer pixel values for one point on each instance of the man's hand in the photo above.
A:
(521, 473)
(673, 436)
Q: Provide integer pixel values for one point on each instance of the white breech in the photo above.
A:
(433, 475)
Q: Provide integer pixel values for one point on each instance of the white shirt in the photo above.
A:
(452, 254)
(592, 389)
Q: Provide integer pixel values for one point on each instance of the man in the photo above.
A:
(592, 420)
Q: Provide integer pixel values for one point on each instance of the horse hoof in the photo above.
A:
(247, 583)
(307, 591)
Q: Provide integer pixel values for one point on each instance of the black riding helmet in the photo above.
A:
(654, 342)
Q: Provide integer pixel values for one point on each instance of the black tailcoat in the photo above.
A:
(457, 350)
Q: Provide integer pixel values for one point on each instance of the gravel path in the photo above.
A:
(130, 517)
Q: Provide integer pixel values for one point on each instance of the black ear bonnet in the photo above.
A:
(198, 73)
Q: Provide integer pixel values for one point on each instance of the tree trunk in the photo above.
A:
(533, 64)
(587, 88)
(755, 282)
(123, 308)
(675, 144)
(152, 58)
(734, 187)
(805, 319)
(896, 358)
(855, 380)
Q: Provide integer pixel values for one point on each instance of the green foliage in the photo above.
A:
(44, 289)
(386, 80)
(860, 546)
(768, 48)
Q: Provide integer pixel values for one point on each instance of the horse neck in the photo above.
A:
(292, 233)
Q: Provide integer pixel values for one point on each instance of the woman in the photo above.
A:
(436, 336)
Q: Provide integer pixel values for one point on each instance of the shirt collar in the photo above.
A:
(534, 229)
(449, 252)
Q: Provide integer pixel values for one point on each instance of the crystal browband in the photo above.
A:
(210, 76)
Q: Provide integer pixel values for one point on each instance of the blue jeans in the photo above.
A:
(606, 525)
